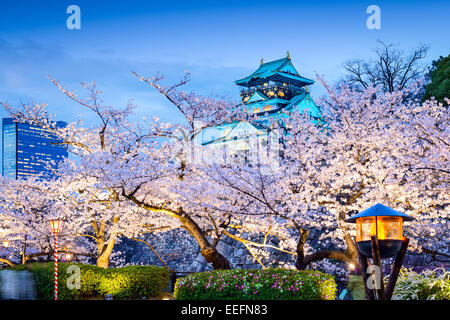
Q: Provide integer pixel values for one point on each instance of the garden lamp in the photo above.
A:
(384, 223)
(55, 226)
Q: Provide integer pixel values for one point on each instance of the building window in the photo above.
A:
(267, 108)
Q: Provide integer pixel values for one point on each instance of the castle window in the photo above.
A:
(267, 108)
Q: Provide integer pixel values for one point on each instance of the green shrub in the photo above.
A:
(134, 282)
(428, 285)
(131, 282)
(253, 284)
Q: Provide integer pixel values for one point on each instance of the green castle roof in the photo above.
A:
(272, 101)
(304, 102)
(282, 68)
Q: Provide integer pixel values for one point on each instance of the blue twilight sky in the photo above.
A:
(217, 41)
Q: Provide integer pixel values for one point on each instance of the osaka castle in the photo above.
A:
(270, 93)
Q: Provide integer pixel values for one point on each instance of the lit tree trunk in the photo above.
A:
(299, 263)
(7, 262)
(302, 262)
(208, 251)
(24, 250)
(105, 250)
(103, 258)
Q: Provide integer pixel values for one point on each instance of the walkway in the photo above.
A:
(17, 285)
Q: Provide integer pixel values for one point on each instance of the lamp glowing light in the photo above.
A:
(55, 225)
(5, 243)
(384, 223)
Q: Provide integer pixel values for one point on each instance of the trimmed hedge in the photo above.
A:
(255, 284)
(131, 282)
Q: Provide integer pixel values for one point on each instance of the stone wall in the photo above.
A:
(239, 257)
(179, 255)
(185, 256)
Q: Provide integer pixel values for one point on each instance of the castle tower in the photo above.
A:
(274, 86)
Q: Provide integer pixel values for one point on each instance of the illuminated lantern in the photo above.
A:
(6, 243)
(55, 225)
(384, 223)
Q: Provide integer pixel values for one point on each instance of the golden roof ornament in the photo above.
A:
(288, 55)
(306, 89)
(262, 60)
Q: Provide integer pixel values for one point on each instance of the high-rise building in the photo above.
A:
(29, 150)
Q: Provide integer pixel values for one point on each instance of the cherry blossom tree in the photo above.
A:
(99, 213)
(129, 173)
(425, 155)
(174, 168)
(131, 178)
(371, 147)
(25, 209)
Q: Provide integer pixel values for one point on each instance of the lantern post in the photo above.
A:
(379, 235)
(55, 226)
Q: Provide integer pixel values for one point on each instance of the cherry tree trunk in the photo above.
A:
(208, 251)
(217, 260)
(103, 258)
(103, 261)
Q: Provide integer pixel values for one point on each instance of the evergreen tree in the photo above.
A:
(439, 74)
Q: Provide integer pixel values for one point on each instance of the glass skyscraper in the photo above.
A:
(28, 150)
